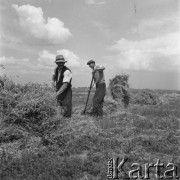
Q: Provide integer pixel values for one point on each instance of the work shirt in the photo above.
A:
(67, 76)
(99, 74)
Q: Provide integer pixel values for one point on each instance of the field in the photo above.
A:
(37, 143)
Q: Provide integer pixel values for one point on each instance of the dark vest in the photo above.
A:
(59, 82)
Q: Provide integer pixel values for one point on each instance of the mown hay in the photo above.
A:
(111, 105)
(145, 97)
(25, 109)
(52, 147)
(119, 89)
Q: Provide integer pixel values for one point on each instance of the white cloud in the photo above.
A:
(158, 49)
(157, 26)
(32, 21)
(71, 58)
(47, 59)
(158, 53)
(16, 66)
(44, 63)
(11, 61)
(104, 29)
(97, 2)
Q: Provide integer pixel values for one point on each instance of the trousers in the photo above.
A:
(98, 99)
(65, 102)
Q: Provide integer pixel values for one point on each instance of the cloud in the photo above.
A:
(47, 59)
(44, 63)
(157, 26)
(158, 48)
(73, 59)
(95, 2)
(13, 65)
(104, 29)
(164, 24)
(13, 42)
(158, 53)
(32, 21)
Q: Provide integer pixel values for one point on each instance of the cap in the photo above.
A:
(90, 61)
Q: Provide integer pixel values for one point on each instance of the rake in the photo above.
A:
(84, 111)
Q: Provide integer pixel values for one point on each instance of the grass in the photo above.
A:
(37, 143)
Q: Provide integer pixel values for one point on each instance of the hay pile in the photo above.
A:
(25, 109)
(119, 89)
(145, 97)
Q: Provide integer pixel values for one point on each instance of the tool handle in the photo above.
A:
(88, 94)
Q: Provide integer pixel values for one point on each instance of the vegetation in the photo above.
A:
(37, 143)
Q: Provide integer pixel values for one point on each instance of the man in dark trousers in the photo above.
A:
(62, 78)
(99, 80)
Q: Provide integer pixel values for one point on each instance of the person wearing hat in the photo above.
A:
(62, 78)
(99, 80)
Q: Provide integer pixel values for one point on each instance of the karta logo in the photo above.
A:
(117, 169)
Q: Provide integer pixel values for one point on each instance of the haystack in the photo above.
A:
(119, 89)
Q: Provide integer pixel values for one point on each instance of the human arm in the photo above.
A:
(96, 77)
(62, 89)
(98, 73)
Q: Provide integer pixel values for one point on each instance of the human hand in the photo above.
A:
(54, 85)
(58, 93)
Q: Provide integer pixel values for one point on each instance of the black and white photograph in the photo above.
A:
(89, 89)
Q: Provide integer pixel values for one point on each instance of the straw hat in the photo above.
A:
(60, 58)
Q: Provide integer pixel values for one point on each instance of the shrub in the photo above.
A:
(119, 89)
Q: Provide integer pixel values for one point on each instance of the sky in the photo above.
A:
(140, 38)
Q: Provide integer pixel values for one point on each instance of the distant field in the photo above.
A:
(79, 98)
(80, 94)
(160, 91)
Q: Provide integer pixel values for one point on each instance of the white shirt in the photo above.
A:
(67, 76)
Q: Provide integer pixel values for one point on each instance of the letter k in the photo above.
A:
(119, 168)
